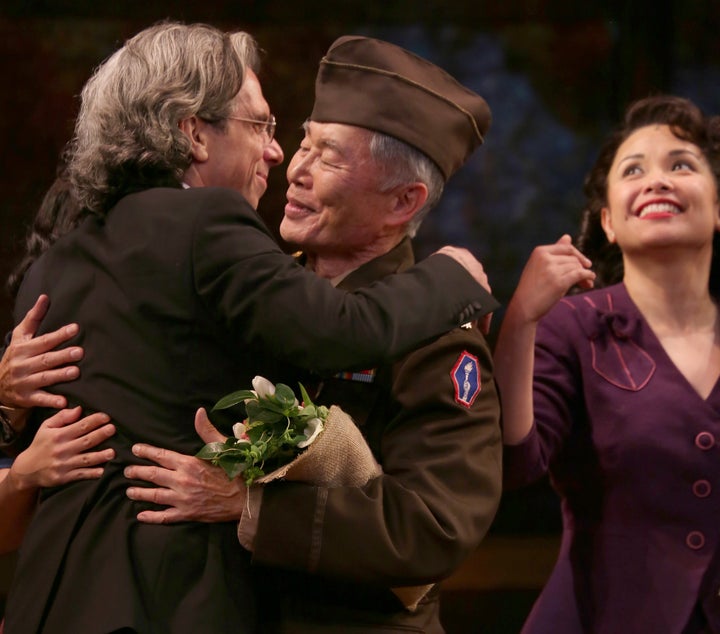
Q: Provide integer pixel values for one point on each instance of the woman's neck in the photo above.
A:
(672, 294)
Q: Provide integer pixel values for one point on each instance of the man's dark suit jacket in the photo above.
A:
(183, 296)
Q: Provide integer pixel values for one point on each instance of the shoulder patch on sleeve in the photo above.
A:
(466, 378)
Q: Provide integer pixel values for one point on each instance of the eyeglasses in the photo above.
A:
(266, 126)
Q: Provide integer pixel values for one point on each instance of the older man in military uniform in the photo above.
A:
(387, 130)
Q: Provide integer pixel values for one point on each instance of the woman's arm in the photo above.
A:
(550, 272)
(58, 455)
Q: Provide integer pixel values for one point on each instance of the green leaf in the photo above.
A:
(305, 398)
(232, 469)
(284, 395)
(234, 398)
(257, 412)
(308, 413)
(210, 450)
(255, 433)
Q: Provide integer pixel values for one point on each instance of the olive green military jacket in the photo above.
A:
(432, 421)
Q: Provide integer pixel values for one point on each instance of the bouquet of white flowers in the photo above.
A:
(281, 438)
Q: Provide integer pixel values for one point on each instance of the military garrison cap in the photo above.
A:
(377, 85)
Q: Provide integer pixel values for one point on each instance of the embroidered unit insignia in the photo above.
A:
(364, 376)
(466, 379)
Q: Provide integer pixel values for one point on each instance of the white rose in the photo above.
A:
(263, 388)
(314, 427)
(240, 431)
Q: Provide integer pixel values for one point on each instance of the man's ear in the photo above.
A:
(194, 129)
(408, 200)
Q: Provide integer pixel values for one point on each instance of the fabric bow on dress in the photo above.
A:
(626, 366)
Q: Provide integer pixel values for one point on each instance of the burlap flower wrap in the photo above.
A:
(340, 457)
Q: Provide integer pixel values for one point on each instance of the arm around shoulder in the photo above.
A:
(257, 290)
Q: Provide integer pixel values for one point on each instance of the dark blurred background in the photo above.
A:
(556, 73)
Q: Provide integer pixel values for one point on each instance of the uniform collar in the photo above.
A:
(398, 259)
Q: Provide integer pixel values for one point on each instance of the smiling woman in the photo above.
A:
(618, 398)
(662, 194)
(687, 124)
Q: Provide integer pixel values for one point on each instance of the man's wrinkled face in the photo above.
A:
(334, 203)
